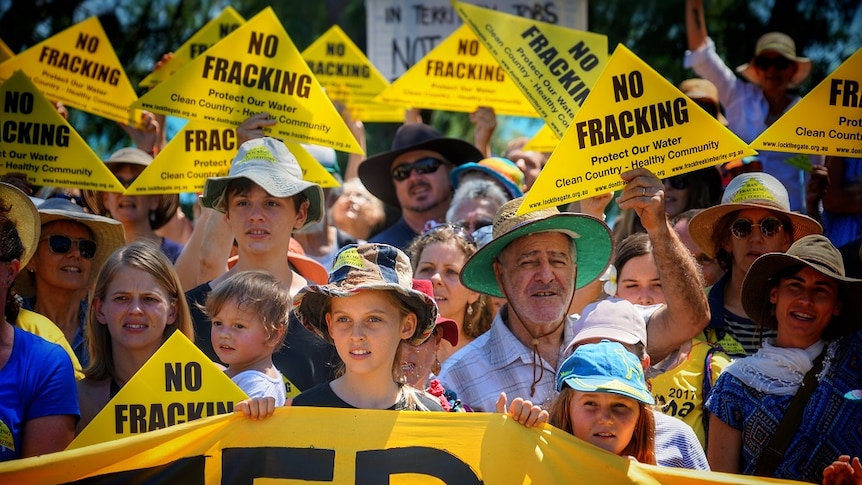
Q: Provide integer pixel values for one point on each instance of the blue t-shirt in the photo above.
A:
(37, 381)
(398, 235)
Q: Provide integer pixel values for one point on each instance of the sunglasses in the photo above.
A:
(63, 244)
(779, 63)
(678, 182)
(421, 166)
(459, 230)
(741, 228)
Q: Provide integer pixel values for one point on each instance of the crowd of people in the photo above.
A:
(714, 324)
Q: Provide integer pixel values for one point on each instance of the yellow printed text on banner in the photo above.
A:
(79, 67)
(459, 75)
(255, 69)
(197, 152)
(178, 384)
(312, 170)
(38, 142)
(345, 446)
(827, 121)
(5, 52)
(212, 32)
(555, 67)
(349, 77)
(544, 141)
(634, 118)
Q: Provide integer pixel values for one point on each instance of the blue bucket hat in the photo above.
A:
(605, 367)
(502, 170)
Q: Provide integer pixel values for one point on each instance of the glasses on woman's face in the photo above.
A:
(63, 244)
(780, 63)
(421, 166)
(678, 182)
(770, 226)
(459, 230)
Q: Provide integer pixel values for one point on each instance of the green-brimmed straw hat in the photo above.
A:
(814, 251)
(592, 239)
(268, 163)
(370, 266)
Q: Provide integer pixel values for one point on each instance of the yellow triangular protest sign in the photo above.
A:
(349, 77)
(5, 52)
(312, 170)
(544, 141)
(79, 67)
(212, 32)
(178, 384)
(827, 121)
(199, 151)
(634, 118)
(553, 66)
(257, 68)
(458, 75)
(38, 142)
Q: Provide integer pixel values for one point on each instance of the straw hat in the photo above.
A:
(752, 190)
(814, 251)
(592, 239)
(375, 171)
(370, 266)
(23, 213)
(268, 163)
(168, 203)
(107, 234)
(782, 45)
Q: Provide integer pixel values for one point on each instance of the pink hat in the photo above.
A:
(448, 327)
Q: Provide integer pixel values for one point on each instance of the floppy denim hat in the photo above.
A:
(375, 172)
(816, 252)
(107, 234)
(23, 213)
(503, 171)
(168, 203)
(268, 163)
(591, 236)
(782, 45)
(751, 190)
(359, 267)
(605, 367)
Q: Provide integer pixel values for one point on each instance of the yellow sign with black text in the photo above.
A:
(543, 141)
(827, 121)
(5, 52)
(312, 170)
(178, 384)
(554, 67)
(349, 77)
(41, 144)
(79, 67)
(255, 69)
(212, 32)
(459, 75)
(634, 118)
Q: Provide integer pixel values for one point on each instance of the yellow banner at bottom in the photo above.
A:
(327, 445)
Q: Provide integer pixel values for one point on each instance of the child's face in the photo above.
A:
(604, 419)
(367, 328)
(240, 339)
(261, 222)
(136, 310)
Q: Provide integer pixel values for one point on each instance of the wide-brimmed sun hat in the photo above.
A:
(107, 234)
(168, 203)
(591, 236)
(814, 251)
(375, 172)
(23, 213)
(268, 163)
(361, 267)
(782, 45)
(605, 367)
(752, 190)
(502, 170)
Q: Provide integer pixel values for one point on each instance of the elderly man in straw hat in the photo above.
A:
(537, 261)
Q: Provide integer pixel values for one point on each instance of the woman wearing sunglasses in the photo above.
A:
(755, 102)
(753, 219)
(71, 250)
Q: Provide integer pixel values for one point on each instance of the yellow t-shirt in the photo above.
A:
(40, 325)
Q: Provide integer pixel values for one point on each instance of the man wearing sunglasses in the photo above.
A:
(755, 102)
(414, 176)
